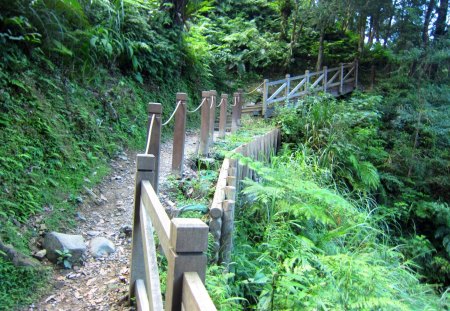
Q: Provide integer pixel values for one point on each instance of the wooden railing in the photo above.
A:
(184, 241)
(337, 81)
(232, 172)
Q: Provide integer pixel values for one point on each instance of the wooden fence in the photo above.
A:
(184, 241)
(337, 81)
(232, 172)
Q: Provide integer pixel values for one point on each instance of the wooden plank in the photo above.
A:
(348, 73)
(319, 78)
(271, 83)
(141, 296)
(297, 87)
(278, 91)
(158, 215)
(195, 296)
(152, 282)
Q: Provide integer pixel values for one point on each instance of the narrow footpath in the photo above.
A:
(102, 284)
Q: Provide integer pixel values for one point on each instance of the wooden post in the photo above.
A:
(341, 76)
(265, 95)
(288, 86)
(356, 73)
(223, 116)
(212, 114)
(155, 142)
(188, 241)
(234, 113)
(240, 104)
(306, 81)
(179, 135)
(325, 78)
(145, 169)
(204, 130)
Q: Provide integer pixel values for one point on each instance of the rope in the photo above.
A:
(235, 102)
(221, 101)
(212, 102)
(191, 111)
(173, 113)
(254, 89)
(149, 138)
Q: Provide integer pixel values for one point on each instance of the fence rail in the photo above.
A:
(232, 173)
(337, 81)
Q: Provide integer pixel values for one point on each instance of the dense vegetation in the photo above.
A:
(75, 77)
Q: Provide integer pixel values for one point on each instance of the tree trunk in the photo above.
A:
(426, 23)
(320, 53)
(441, 21)
(389, 27)
(362, 34)
(293, 36)
(177, 11)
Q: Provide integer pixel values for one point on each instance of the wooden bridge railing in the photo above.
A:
(184, 241)
(338, 81)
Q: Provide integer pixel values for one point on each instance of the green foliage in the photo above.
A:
(343, 134)
(301, 245)
(64, 258)
(20, 285)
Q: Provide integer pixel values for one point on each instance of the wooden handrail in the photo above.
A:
(184, 241)
(195, 296)
(312, 82)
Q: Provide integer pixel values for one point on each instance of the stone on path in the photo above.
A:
(101, 246)
(74, 244)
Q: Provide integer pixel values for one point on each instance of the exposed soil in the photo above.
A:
(102, 284)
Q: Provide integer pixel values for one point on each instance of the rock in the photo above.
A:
(74, 244)
(40, 254)
(123, 157)
(81, 217)
(101, 246)
(93, 233)
(127, 230)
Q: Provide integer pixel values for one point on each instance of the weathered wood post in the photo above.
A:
(356, 73)
(188, 243)
(179, 135)
(288, 86)
(240, 103)
(306, 81)
(145, 166)
(212, 114)
(341, 77)
(235, 112)
(204, 129)
(265, 96)
(223, 115)
(325, 78)
(155, 141)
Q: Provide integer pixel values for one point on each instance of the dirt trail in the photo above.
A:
(100, 284)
